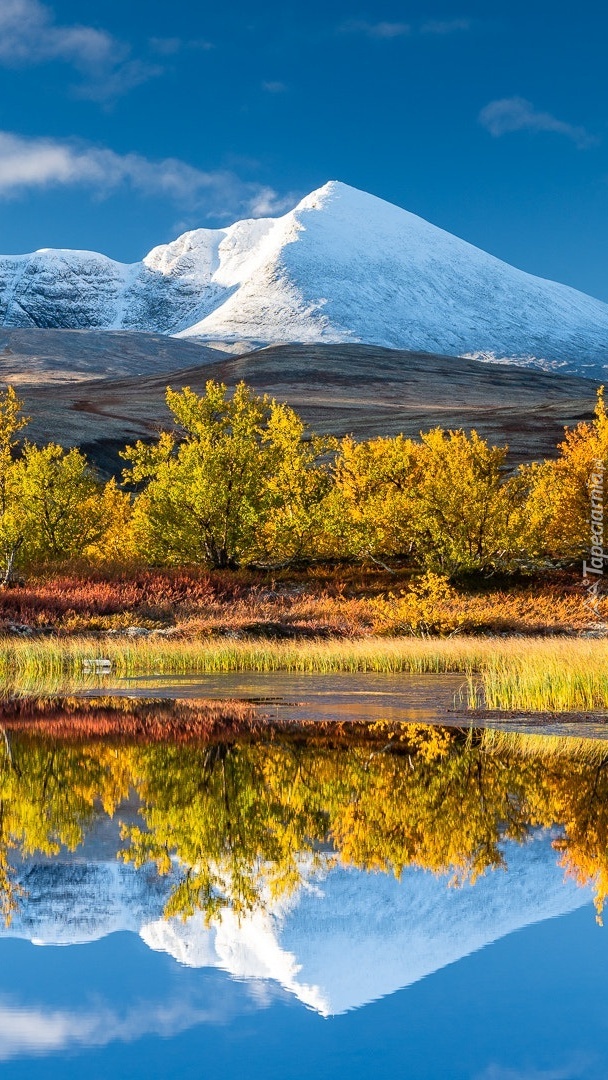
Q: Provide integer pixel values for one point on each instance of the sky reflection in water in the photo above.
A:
(277, 941)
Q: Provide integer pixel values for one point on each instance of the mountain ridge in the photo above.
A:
(362, 390)
(342, 266)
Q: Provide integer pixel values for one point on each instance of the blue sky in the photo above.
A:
(530, 1006)
(124, 123)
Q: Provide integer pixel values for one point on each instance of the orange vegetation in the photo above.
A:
(338, 601)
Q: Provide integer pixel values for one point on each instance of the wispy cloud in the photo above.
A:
(171, 46)
(379, 30)
(443, 27)
(42, 1031)
(274, 87)
(265, 202)
(569, 1072)
(28, 164)
(29, 35)
(166, 46)
(516, 114)
(388, 30)
(38, 163)
(112, 83)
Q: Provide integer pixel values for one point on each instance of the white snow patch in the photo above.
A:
(343, 266)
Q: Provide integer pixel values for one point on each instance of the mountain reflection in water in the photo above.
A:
(341, 862)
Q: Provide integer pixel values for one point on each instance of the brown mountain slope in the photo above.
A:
(41, 356)
(361, 389)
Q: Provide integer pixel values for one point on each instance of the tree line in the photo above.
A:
(241, 481)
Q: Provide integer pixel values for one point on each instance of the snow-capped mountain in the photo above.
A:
(342, 266)
(344, 939)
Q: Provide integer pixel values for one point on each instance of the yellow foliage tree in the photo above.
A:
(561, 493)
(241, 483)
(446, 500)
(12, 525)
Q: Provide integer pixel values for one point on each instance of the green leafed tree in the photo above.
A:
(61, 501)
(237, 482)
(53, 506)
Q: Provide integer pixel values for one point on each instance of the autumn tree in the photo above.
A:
(237, 482)
(60, 496)
(445, 500)
(560, 493)
(106, 528)
(53, 505)
(464, 508)
(368, 509)
(12, 524)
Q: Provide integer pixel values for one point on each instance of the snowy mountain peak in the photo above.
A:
(343, 265)
(331, 190)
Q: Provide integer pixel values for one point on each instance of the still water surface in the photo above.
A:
(396, 898)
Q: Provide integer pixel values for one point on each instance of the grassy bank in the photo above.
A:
(51, 656)
(545, 674)
(557, 676)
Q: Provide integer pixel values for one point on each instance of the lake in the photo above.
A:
(348, 877)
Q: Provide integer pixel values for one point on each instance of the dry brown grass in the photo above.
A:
(320, 602)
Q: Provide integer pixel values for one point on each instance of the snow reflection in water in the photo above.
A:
(316, 859)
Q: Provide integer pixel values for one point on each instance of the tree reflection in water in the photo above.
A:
(234, 807)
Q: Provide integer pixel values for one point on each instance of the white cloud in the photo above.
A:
(266, 203)
(516, 114)
(36, 163)
(39, 1031)
(30, 35)
(569, 1072)
(378, 30)
(388, 30)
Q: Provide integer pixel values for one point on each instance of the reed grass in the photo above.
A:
(547, 675)
(73, 656)
(560, 675)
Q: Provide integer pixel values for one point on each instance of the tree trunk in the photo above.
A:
(10, 564)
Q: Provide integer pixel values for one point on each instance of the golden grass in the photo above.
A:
(561, 675)
(518, 673)
(149, 656)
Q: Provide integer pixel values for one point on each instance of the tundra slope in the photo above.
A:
(343, 266)
(363, 390)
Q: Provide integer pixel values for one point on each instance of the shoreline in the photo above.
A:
(558, 674)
